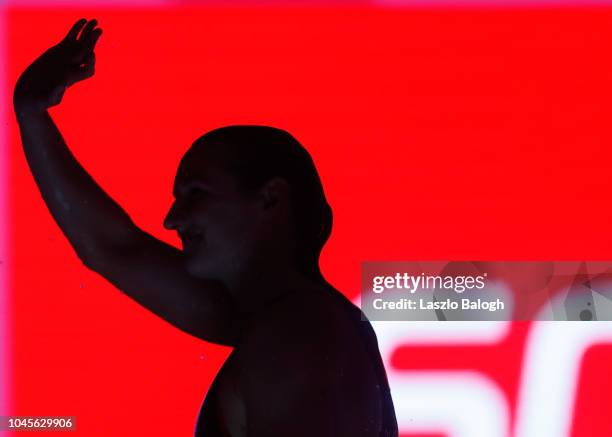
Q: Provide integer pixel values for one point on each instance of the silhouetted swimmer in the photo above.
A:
(252, 217)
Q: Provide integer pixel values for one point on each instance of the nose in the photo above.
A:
(174, 218)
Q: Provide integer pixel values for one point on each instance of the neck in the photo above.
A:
(260, 285)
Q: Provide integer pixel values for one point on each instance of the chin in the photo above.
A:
(201, 269)
(194, 267)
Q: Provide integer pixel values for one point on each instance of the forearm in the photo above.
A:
(148, 270)
(88, 217)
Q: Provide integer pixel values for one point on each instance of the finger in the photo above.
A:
(82, 73)
(74, 30)
(87, 30)
(90, 60)
(87, 46)
(93, 39)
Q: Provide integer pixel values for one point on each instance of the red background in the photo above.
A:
(442, 134)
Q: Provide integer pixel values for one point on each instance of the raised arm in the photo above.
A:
(102, 234)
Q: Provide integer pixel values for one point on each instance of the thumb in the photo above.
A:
(83, 72)
(56, 95)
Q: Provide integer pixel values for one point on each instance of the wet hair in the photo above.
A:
(256, 154)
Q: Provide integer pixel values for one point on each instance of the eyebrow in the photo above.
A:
(192, 184)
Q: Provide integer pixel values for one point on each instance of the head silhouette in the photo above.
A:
(243, 192)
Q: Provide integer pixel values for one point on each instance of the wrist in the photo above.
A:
(25, 110)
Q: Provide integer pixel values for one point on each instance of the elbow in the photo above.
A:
(92, 257)
(101, 254)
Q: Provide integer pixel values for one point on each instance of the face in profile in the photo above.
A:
(217, 220)
(248, 201)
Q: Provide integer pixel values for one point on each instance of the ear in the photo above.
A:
(274, 194)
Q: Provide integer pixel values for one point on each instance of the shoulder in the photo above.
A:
(306, 360)
(312, 320)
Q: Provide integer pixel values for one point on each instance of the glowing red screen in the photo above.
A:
(441, 134)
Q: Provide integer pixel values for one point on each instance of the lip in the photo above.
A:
(190, 241)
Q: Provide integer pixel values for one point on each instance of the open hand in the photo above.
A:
(43, 83)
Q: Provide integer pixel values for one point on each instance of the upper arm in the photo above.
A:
(152, 273)
(310, 379)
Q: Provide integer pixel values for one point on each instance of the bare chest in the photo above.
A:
(223, 412)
